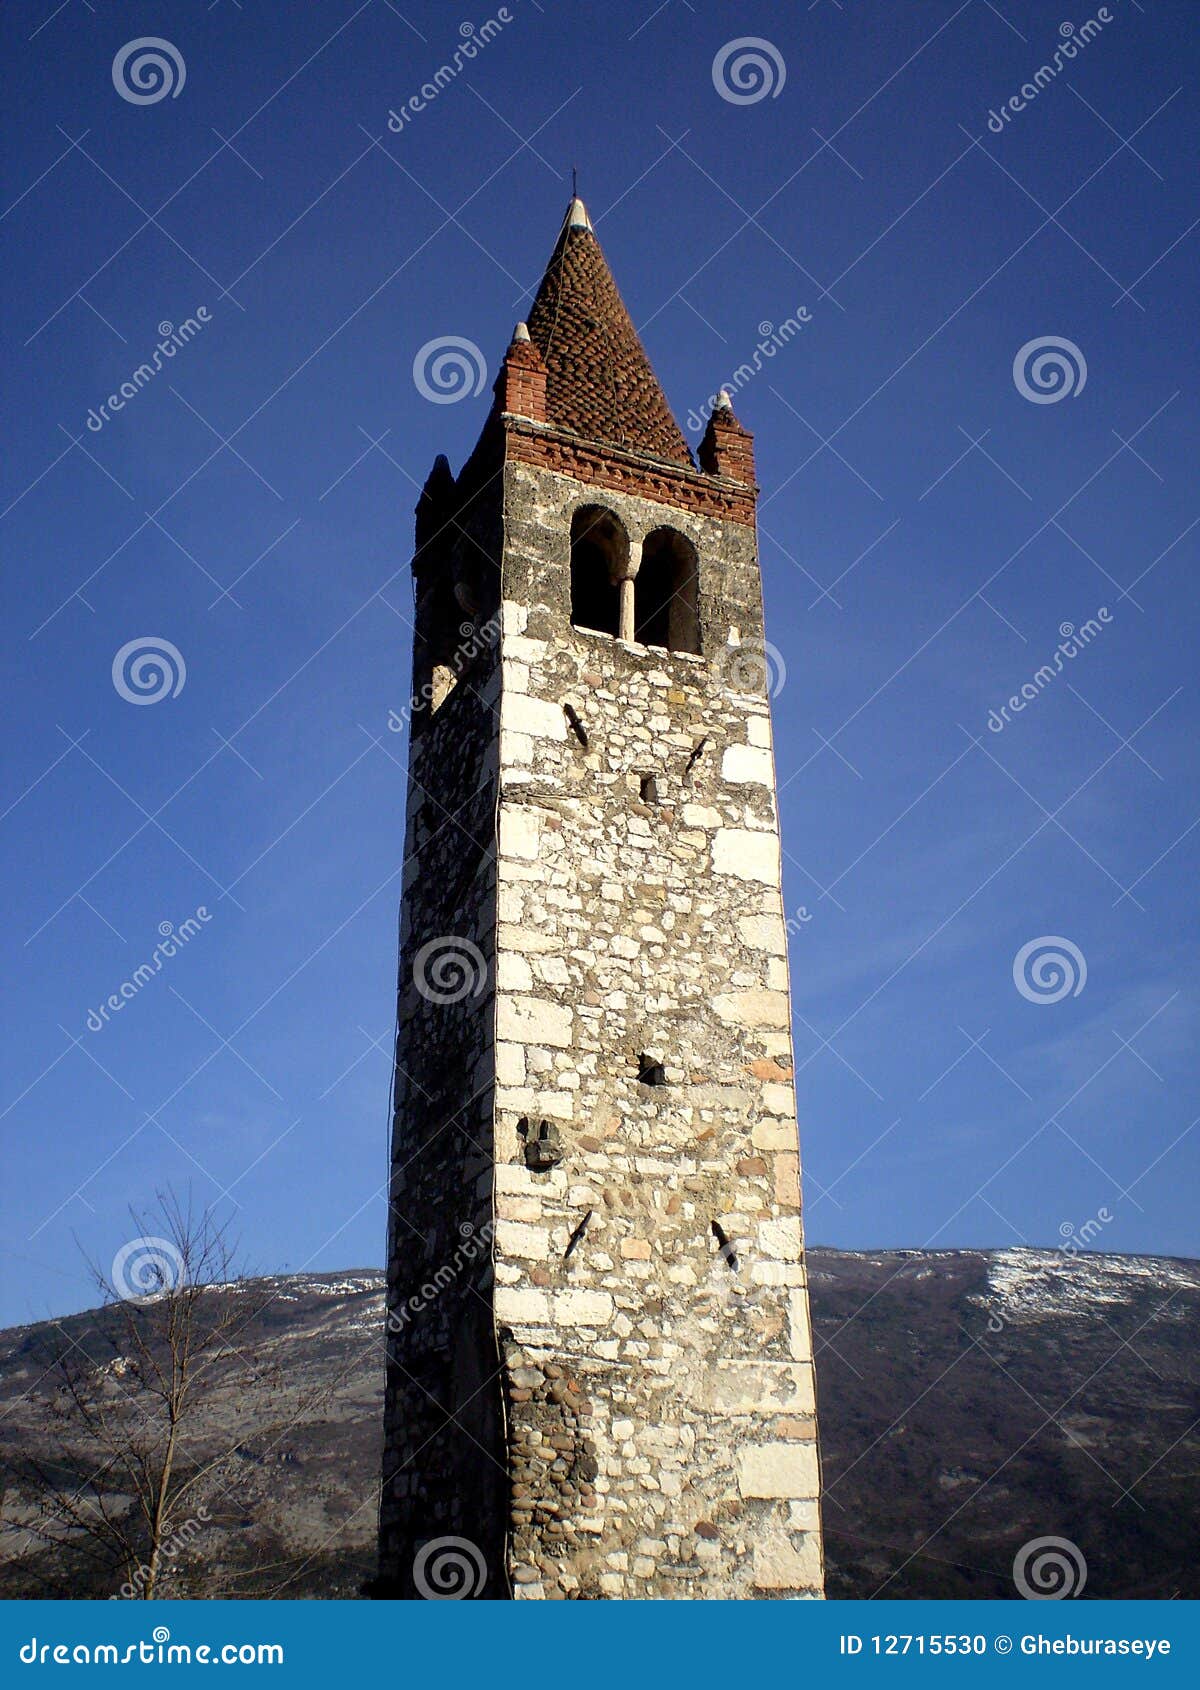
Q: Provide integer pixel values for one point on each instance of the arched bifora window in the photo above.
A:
(666, 609)
(599, 558)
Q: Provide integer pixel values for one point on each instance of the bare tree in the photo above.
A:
(141, 1452)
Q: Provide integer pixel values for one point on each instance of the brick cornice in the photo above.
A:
(628, 472)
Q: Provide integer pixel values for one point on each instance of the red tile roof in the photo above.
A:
(600, 384)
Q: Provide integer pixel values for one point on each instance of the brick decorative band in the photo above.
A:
(627, 472)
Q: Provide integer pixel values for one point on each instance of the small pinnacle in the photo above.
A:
(577, 217)
(723, 402)
(521, 332)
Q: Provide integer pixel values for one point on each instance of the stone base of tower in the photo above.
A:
(605, 1504)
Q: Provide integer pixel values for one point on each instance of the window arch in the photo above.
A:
(599, 559)
(666, 593)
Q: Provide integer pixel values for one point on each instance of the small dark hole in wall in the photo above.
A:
(576, 726)
(649, 789)
(725, 1246)
(651, 1072)
(543, 1146)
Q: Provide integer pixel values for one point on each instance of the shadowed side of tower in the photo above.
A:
(600, 1367)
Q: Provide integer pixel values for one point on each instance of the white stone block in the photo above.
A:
(764, 933)
(758, 730)
(521, 1307)
(747, 764)
(755, 1387)
(748, 855)
(781, 1238)
(528, 940)
(526, 650)
(537, 717)
(533, 1021)
(516, 1238)
(778, 1565)
(752, 1008)
(582, 1308)
(783, 1470)
(513, 973)
(520, 829)
(801, 1332)
(510, 1065)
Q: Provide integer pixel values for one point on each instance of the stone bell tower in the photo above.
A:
(600, 1377)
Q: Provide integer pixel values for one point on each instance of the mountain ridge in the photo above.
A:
(970, 1401)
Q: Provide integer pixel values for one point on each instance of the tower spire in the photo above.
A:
(600, 384)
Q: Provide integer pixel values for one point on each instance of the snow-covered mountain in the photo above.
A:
(970, 1401)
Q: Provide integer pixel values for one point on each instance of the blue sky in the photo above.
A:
(927, 529)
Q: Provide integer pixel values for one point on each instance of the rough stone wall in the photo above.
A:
(650, 1297)
(443, 1470)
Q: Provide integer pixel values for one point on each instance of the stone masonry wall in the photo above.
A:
(443, 1470)
(650, 1299)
